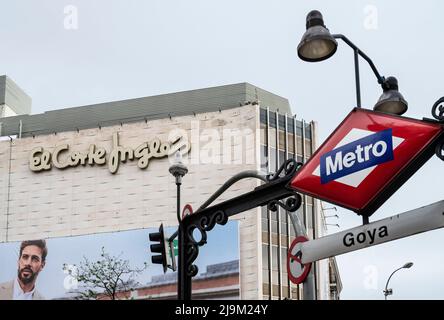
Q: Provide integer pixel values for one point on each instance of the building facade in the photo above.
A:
(104, 168)
(219, 282)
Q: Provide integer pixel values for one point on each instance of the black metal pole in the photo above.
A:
(180, 263)
(178, 202)
(365, 220)
(362, 54)
(358, 85)
(186, 287)
(184, 281)
(180, 248)
(358, 52)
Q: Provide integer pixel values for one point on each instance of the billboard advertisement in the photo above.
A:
(114, 265)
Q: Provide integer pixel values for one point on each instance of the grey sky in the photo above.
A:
(128, 49)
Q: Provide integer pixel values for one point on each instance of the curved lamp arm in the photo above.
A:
(242, 175)
(362, 54)
(388, 280)
(357, 52)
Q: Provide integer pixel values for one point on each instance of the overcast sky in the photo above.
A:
(97, 51)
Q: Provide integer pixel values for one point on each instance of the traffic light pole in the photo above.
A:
(205, 219)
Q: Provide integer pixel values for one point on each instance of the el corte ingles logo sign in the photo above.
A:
(41, 159)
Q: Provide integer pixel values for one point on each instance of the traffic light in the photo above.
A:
(162, 247)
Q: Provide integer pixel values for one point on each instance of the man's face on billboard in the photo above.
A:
(30, 264)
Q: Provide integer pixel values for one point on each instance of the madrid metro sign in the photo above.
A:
(366, 159)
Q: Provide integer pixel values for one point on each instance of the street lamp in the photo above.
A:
(179, 170)
(390, 291)
(318, 44)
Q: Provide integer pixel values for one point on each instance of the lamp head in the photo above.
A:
(391, 100)
(408, 265)
(317, 43)
(178, 169)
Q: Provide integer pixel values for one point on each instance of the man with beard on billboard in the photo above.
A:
(31, 261)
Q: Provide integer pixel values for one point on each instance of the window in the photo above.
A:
(283, 227)
(299, 128)
(292, 232)
(272, 160)
(299, 145)
(300, 214)
(265, 260)
(263, 133)
(264, 219)
(275, 292)
(283, 221)
(307, 148)
(294, 293)
(264, 158)
(272, 119)
(265, 225)
(274, 227)
(308, 131)
(281, 158)
(273, 215)
(272, 137)
(285, 292)
(282, 121)
(282, 139)
(274, 224)
(263, 115)
(264, 212)
(290, 141)
(284, 216)
(284, 261)
(266, 289)
(275, 279)
(310, 215)
(274, 258)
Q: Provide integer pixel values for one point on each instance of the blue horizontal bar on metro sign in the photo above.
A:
(358, 155)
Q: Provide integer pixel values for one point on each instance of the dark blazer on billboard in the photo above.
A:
(7, 292)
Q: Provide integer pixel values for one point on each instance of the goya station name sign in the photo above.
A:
(41, 159)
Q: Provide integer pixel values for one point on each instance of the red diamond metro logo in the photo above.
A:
(366, 159)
